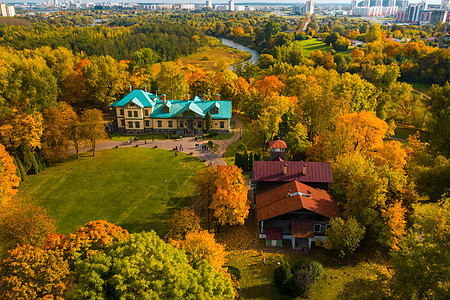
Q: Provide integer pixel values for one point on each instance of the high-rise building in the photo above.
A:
(209, 4)
(3, 11)
(445, 4)
(231, 5)
(310, 7)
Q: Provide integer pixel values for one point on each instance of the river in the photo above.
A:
(232, 44)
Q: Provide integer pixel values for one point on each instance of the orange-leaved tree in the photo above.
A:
(9, 181)
(93, 236)
(93, 127)
(230, 203)
(30, 272)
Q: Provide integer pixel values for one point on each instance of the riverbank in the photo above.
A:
(216, 56)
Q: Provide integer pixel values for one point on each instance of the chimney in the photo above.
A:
(304, 169)
(145, 88)
(129, 87)
(285, 169)
(218, 97)
(204, 97)
(163, 98)
(187, 97)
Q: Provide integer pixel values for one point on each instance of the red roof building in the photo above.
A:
(316, 174)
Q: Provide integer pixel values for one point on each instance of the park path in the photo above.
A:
(188, 144)
(223, 144)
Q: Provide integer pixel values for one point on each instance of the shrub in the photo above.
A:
(116, 147)
(300, 283)
(190, 153)
(156, 146)
(281, 276)
(314, 268)
(210, 144)
(234, 271)
(137, 146)
(213, 134)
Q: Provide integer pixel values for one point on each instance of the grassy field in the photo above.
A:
(312, 45)
(338, 281)
(136, 188)
(403, 132)
(215, 56)
(421, 87)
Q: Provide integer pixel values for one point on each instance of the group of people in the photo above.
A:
(202, 146)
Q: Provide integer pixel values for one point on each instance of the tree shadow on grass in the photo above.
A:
(257, 291)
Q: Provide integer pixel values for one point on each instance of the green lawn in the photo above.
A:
(403, 132)
(136, 188)
(312, 45)
(421, 87)
(157, 136)
(340, 281)
(248, 140)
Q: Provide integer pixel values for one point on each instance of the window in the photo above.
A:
(130, 124)
(166, 109)
(147, 123)
(122, 122)
(181, 124)
(121, 112)
(222, 124)
(317, 227)
(146, 112)
(138, 124)
(159, 123)
(135, 114)
(328, 226)
(214, 110)
(130, 114)
(170, 123)
(199, 124)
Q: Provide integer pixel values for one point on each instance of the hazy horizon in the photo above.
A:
(214, 2)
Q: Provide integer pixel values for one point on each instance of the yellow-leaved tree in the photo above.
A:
(200, 245)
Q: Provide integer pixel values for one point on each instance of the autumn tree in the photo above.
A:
(439, 105)
(230, 203)
(208, 121)
(146, 266)
(182, 222)
(23, 222)
(93, 127)
(395, 220)
(344, 236)
(21, 129)
(29, 272)
(172, 80)
(55, 138)
(92, 237)
(9, 181)
(221, 189)
(200, 245)
(74, 129)
(420, 267)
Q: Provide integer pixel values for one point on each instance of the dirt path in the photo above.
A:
(223, 144)
(423, 94)
(188, 144)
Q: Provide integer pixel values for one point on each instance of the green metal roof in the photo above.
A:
(177, 107)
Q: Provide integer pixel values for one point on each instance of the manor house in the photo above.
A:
(142, 112)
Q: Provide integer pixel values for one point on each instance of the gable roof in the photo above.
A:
(137, 96)
(192, 106)
(277, 144)
(273, 202)
(195, 104)
(319, 172)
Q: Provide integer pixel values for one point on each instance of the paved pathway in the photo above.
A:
(188, 144)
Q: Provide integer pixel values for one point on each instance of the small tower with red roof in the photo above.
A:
(277, 150)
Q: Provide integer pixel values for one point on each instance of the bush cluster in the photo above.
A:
(296, 281)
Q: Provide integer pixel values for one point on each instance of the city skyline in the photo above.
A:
(274, 2)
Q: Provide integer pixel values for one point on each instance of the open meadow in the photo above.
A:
(136, 188)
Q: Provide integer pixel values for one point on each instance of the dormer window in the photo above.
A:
(167, 106)
(215, 108)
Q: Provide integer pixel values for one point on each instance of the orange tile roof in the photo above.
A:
(273, 202)
(277, 144)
